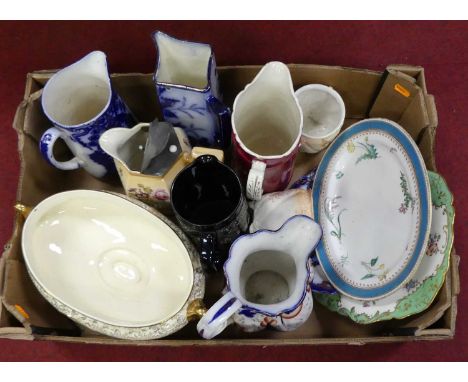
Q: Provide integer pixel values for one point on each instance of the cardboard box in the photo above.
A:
(399, 94)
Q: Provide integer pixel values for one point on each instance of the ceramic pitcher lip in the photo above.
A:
(269, 66)
(182, 86)
(98, 54)
(111, 148)
(209, 227)
(296, 298)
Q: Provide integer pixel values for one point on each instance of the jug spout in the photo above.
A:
(94, 64)
(305, 233)
(182, 63)
(125, 145)
(84, 85)
(277, 77)
(272, 82)
(266, 117)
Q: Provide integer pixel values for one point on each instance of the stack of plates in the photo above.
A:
(387, 224)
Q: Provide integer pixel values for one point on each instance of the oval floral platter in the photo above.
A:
(371, 197)
(419, 292)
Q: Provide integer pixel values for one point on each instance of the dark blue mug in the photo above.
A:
(210, 206)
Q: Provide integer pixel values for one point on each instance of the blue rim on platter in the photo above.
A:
(422, 181)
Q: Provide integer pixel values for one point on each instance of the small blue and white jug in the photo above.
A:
(268, 276)
(187, 85)
(80, 102)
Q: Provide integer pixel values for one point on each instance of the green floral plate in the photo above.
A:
(419, 292)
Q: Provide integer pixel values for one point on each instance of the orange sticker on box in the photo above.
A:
(22, 311)
(402, 90)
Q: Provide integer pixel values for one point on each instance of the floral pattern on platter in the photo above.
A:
(433, 244)
(412, 284)
(370, 151)
(408, 199)
(374, 269)
(331, 206)
(371, 195)
(344, 260)
(419, 292)
(162, 329)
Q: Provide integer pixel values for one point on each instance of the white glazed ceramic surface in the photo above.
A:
(268, 102)
(109, 262)
(323, 112)
(78, 93)
(150, 189)
(266, 122)
(114, 140)
(181, 62)
(272, 211)
(373, 212)
(80, 102)
(268, 276)
(188, 90)
(418, 293)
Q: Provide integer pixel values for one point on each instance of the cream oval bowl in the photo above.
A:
(110, 259)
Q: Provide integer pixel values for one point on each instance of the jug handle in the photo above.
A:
(46, 145)
(254, 188)
(224, 118)
(209, 255)
(218, 316)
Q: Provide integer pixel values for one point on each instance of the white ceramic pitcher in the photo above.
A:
(81, 103)
(267, 127)
(268, 276)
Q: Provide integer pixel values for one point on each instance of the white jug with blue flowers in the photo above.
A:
(187, 85)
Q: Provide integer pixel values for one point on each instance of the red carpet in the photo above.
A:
(440, 47)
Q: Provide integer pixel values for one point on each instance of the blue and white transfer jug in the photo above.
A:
(81, 104)
(187, 86)
(269, 276)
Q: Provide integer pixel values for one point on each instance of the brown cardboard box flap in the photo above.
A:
(395, 95)
(358, 88)
(400, 99)
(417, 72)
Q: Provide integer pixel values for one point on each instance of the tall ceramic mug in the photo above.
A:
(81, 103)
(267, 126)
(210, 206)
